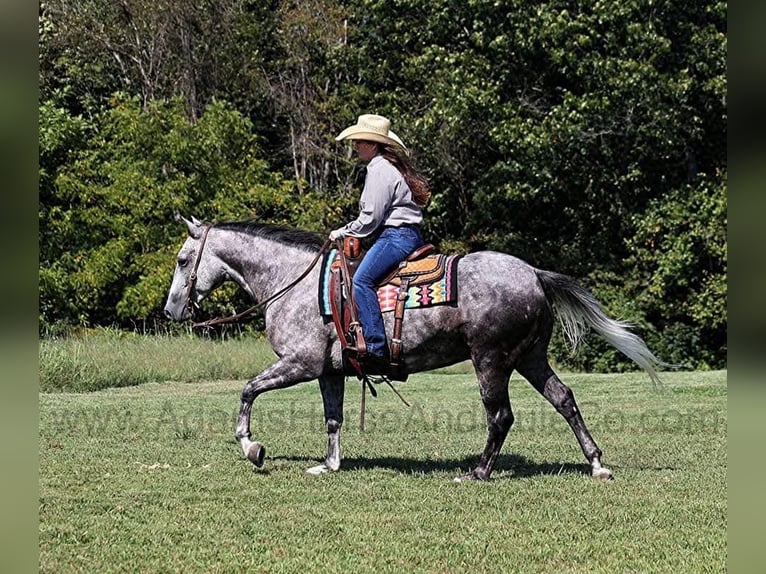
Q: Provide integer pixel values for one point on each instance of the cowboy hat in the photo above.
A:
(371, 127)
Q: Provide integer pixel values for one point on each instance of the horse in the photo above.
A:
(502, 322)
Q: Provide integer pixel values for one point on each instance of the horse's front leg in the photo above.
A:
(332, 387)
(284, 373)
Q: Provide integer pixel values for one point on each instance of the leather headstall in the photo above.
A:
(192, 281)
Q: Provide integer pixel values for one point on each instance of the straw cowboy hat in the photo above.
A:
(371, 127)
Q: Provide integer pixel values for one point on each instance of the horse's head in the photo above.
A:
(196, 273)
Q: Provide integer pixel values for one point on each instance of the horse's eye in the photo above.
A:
(183, 261)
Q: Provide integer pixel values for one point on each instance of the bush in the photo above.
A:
(109, 229)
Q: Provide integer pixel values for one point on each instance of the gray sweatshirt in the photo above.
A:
(386, 200)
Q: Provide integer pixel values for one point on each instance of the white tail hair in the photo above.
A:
(577, 309)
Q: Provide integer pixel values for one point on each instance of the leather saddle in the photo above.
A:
(419, 267)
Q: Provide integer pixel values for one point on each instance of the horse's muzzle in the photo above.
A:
(177, 313)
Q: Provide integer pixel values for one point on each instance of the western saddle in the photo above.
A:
(419, 267)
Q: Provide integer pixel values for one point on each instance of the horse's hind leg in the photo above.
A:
(332, 388)
(536, 369)
(493, 383)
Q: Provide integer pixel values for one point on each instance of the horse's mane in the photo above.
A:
(306, 240)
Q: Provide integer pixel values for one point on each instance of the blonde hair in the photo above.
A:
(421, 189)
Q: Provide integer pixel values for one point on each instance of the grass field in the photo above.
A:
(148, 478)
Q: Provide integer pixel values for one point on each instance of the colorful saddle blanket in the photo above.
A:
(432, 281)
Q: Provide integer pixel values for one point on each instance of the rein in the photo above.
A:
(234, 318)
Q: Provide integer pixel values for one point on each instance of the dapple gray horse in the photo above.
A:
(502, 322)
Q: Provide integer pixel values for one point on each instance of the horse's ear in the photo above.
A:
(195, 231)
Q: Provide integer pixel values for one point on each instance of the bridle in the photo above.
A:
(192, 281)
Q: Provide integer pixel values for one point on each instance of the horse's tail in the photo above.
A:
(577, 308)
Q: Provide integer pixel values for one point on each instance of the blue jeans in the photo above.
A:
(391, 247)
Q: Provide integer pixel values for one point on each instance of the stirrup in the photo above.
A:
(379, 365)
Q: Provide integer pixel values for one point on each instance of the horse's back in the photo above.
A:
(499, 273)
(499, 292)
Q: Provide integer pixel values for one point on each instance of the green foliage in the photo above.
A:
(551, 127)
(197, 50)
(680, 254)
(109, 230)
(556, 131)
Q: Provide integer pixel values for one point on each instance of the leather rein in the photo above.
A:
(234, 318)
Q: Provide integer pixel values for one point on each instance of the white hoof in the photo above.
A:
(602, 473)
(469, 477)
(317, 470)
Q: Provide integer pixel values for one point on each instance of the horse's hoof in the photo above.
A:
(317, 470)
(470, 476)
(602, 473)
(256, 452)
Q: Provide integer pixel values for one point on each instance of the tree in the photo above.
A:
(157, 49)
(303, 86)
(108, 221)
(680, 253)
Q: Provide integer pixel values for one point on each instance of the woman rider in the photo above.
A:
(390, 212)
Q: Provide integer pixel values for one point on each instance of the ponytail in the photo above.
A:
(421, 190)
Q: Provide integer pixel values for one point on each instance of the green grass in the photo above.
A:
(104, 359)
(148, 478)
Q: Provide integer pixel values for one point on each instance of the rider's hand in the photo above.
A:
(335, 234)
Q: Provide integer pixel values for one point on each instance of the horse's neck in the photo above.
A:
(263, 267)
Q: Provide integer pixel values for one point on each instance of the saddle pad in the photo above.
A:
(440, 289)
(324, 282)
